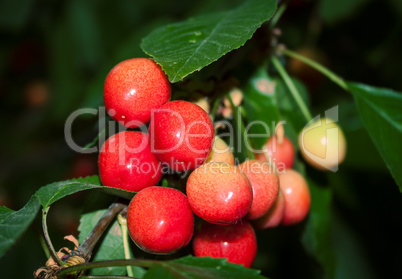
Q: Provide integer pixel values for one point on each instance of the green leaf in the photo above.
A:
(111, 247)
(380, 110)
(261, 104)
(200, 268)
(333, 11)
(5, 212)
(188, 46)
(58, 190)
(14, 223)
(317, 237)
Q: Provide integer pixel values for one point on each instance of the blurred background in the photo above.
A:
(55, 55)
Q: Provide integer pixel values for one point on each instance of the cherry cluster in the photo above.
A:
(230, 200)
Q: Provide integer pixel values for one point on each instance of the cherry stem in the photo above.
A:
(110, 263)
(323, 70)
(280, 134)
(42, 241)
(214, 109)
(292, 88)
(95, 140)
(86, 247)
(237, 116)
(122, 218)
(278, 14)
(48, 241)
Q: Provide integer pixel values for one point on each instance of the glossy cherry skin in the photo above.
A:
(219, 193)
(297, 197)
(181, 135)
(281, 153)
(160, 220)
(126, 162)
(133, 88)
(220, 152)
(274, 215)
(265, 184)
(322, 144)
(236, 242)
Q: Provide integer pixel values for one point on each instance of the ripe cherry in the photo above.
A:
(181, 135)
(126, 162)
(274, 215)
(133, 88)
(220, 152)
(279, 150)
(219, 193)
(160, 220)
(237, 242)
(297, 197)
(265, 184)
(323, 144)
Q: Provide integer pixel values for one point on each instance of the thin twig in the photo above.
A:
(89, 243)
(49, 244)
(109, 263)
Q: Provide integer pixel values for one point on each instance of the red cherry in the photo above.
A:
(297, 197)
(160, 220)
(181, 135)
(133, 88)
(265, 184)
(219, 193)
(274, 215)
(126, 162)
(237, 242)
(281, 153)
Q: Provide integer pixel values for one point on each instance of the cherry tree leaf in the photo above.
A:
(200, 268)
(58, 190)
(14, 223)
(380, 110)
(111, 247)
(5, 212)
(188, 46)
